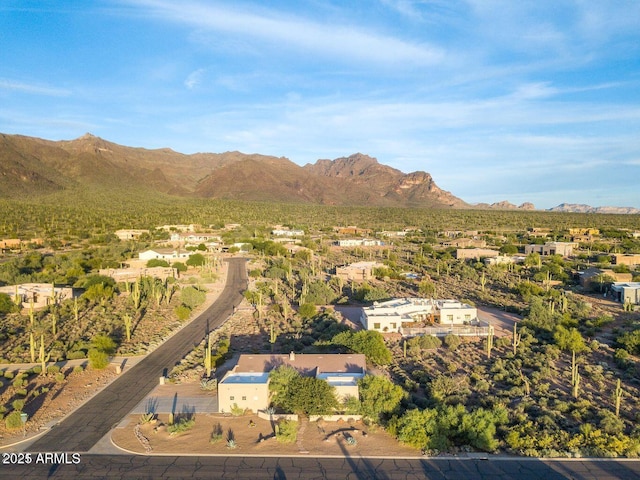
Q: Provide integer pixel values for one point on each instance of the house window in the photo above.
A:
(450, 318)
(393, 325)
(376, 326)
(244, 398)
(467, 317)
(232, 397)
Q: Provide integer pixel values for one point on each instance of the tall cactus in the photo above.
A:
(42, 358)
(32, 347)
(517, 338)
(54, 322)
(575, 376)
(617, 397)
(127, 325)
(490, 341)
(483, 281)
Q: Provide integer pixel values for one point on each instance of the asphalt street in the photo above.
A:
(87, 425)
(302, 468)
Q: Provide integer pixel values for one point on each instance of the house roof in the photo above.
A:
(305, 363)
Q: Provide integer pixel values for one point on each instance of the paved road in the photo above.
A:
(87, 425)
(254, 468)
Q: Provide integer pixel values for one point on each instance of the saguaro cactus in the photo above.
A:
(575, 376)
(126, 318)
(517, 338)
(490, 341)
(42, 358)
(617, 397)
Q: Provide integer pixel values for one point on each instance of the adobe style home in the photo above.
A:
(246, 386)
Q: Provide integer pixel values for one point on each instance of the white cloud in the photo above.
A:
(295, 33)
(33, 89)
(194, 78)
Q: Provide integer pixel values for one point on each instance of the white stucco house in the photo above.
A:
(392, 315)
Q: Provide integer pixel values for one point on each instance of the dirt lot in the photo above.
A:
(254, 436)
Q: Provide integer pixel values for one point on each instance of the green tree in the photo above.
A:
(196, 260)
(379, 397)
(281, 380)
(157, 262)
(7, 305)
(192, 297)
(312, 396)
(427, 289)
(307, 310)
(368, 342)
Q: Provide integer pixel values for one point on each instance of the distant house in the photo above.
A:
(247, 385)
(626, 292)
(132, 274)
(130, 234)
(394, 315)
(163, 254)
(358, 271)
(503, 260)
(40, 294)
(358, 242)
(285, 232)
(464, 243)
(588, 276)
(475, 253)
(564, 249)
(625, 259)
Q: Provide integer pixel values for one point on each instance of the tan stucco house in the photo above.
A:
(246, 386)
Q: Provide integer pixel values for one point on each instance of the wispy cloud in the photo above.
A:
(296, 33)
(194, 78)
(33, 89)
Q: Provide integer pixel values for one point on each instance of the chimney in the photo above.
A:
(292, 356)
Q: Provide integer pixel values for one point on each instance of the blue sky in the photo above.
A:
(499, 100)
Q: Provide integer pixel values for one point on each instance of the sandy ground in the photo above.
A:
(254, 436)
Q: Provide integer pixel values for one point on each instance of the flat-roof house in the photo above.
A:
(358, 271)
(392, 315)
(247, 385)
(625, 259)
(41, 294)
(475, 253)
(564, 249)
(130, 234)
(626, 292)
(163, 254)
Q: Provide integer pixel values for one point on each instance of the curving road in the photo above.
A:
(86, 426)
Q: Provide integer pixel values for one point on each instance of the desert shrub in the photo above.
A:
(452, 341)
(182, 312)
(208, 384)
(181, 426)
(60, 377)
(287, 431)
(236, 410)
(216, 434)
(78, 369)
(13, 420)
(37, 370)
(21, 392)
(18, 405)
(8, 374)
(307, 310)
(98, 359)
(76, 355)
(53, 369)
(191, 297)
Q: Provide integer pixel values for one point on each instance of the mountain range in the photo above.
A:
(32, 166)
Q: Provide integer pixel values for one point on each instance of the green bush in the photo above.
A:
(8, 374)
(98, 359)
(53, 369)
(76, 355)
(13, 420)
(21, 392)
(452, 342)
(78, 369)
(60, 377)
(181, 426)
(182, 312)
(287, 431)
(18, 405)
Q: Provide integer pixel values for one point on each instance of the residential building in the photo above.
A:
(38, 294)
(285, 232)
(163, 254)
(626, 292)
(464, 243)
(475, 253)
(132, 274)
(564, 249)
(587, 277)
(179, 228)
(503, 260)
(625, 259)
(358, 242)
(130, 234)
(351, 230)
(247, 385)
(358, 271)
(394, 315)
